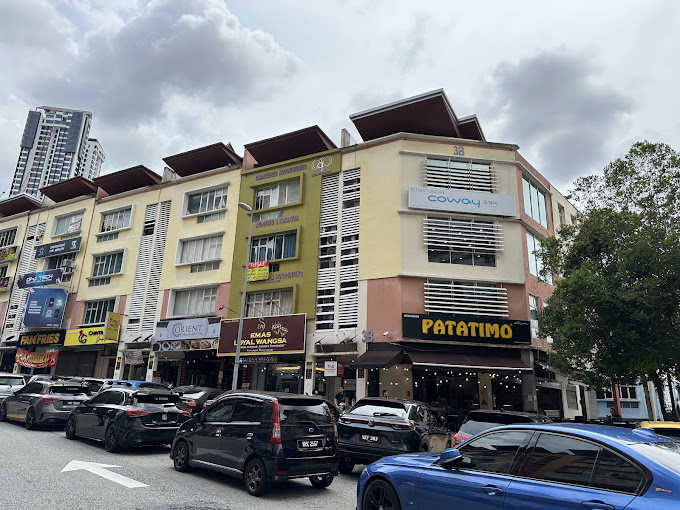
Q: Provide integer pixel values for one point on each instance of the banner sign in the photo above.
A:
(86, 336)
(5, 283)
(188, 329)
(8, 254)
(463, 328)
(36, 359)
(54, 337)
(258, 271)
(112, 328)
(45, 308)
(330, 369)
(57, 248)
(50, 277)
(279, 334)
(185, 345)
(451, 200)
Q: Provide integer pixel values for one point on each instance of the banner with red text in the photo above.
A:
(36, 359)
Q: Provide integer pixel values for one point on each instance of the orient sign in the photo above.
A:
(462, 328)
(280, 334)
(188, 329)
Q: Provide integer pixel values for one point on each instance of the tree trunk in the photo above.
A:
(658, 385)
(674, 408)
(648, 399)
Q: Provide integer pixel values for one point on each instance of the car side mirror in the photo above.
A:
(450, 458)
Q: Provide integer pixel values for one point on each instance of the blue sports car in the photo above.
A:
(527, 467)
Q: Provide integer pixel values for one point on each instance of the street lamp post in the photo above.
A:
(234, 380)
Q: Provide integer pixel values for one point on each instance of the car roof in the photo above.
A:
(596, 432)
(380, 400)
(68, 383)
(139, 391)
(197, 388)
(271, 395)
(660, 424)
(18, 376)
(492, 412)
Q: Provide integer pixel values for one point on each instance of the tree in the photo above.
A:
(615, 313)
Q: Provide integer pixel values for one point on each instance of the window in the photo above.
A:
(205, 218)
(274, 302)
(116, 220)
(273, 247)
(572, 396)
(220, 412)
(61, 262)
(95, 311)
(269, 215)
(207, 201)
(535, 263)
(281, 193)
(562, 459)
(247, 410)
(534, 202)
(3, 271)
(533, 311)
(446, 173)
(7, 237)
(195, 302)
(614, 473)
(562, 218)
(68, 224)
(105, 265)
(203, 249)
(493, 452)
(468, 242)
(466, 298)
(628, 392)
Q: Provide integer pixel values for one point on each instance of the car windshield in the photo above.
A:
(382, 409)
(480, 423)
(145, 400)
(194, 394)
(14, 381)
(293, 412)
(666, 454)
(70, 390)
(668, 432)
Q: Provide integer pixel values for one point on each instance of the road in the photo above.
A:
(31, 477)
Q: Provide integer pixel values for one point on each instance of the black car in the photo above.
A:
(44, 403)
(261, 437)
(479, 421)
(127, 417)
(194, 397)
(378, 427)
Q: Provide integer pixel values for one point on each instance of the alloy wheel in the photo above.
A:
(30, 419)
(380, 496)
(111, 439)
(254, 477)
(3, 412)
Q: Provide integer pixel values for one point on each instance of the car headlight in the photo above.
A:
(364, 471)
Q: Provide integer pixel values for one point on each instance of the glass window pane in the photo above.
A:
(493, 452)
(527, 196)
(616, 473)
(535, 214)
(541, 208)
(562, 459)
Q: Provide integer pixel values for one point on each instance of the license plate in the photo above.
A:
(72, 403)
(371, 439)
(309, 444)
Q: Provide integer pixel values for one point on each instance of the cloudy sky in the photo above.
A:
(574, 84)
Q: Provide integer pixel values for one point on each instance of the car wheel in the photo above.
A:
(180, 456)
(321, 482)
(111, 439)
(379, 495)
(255, 478)
(3, 412)
(70, 428)
(345, 466)
(30, 420)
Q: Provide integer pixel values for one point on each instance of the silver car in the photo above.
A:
(9, 383)
(44, 403)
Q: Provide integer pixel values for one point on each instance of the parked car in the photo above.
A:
(531, 467)
(479, 421)
(49, 378)
(378, 427)
(194, 397)
(94, 383)
(122, 383)
(662, 428)
(43, 403)
(124, 417)
(262, 438)
(9, 383)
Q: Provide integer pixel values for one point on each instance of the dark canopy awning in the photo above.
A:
(467, 361)
(378, 359)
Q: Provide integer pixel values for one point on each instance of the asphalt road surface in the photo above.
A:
(32, 476)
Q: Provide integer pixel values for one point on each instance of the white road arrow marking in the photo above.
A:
(101, 470)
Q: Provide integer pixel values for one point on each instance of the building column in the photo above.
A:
(360, 391)
(485, 391)
(309, 374)
(152, 366)
(118, 369)
(529, 392)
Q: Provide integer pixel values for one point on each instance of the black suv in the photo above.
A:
(479, 421)
(261, 437)
(378, 427)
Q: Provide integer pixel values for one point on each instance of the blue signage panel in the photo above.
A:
(58, 248)
(45, 308)
(51, 277)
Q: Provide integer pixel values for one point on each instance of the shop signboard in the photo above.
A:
(465, 328)
(112, 328)
(278, 334)
(5, 283)
(258, 271)
(8, 254)
(49, 277)
(86, 336)
(451, 200)
(188, 329)
(58, 248)
(53, 337)
(330, 369)
(45, 308)
(36, 359)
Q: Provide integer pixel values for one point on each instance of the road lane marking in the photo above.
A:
(101, 470)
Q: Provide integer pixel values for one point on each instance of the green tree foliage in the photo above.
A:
(615, 313)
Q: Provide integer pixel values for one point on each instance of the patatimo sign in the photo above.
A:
(462, 328)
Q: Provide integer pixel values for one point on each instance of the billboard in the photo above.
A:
(279, 334)
(258, 271)
(57, 248)
(45, 308)
(464, 328)
(36, 359)
(8, 254)
(50, 277)
(53, 337)
(112, 329)
(452, 200)
(86, 336)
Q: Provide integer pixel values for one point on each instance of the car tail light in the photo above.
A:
(335, 427)
(190, 404)
(51, 399)
(403, 426)
(136, 413)
(275, 436)
(185, 413)
(459, 438)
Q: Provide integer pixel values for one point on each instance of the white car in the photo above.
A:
(9, 383)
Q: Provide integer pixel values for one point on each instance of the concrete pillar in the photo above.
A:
(310, 371)
(485, 392)
(361, 383)
(151, 366)
(529, 392)
(118, 369)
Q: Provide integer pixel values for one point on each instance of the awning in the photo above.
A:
(378, 359)
(467, 361)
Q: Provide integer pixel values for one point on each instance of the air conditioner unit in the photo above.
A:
(68, 264)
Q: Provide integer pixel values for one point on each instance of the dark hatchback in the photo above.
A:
(479, 421)
(261, 437)
(379, 427)
(128, 417)
(195, 397)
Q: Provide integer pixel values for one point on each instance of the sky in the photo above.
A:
(574, 84)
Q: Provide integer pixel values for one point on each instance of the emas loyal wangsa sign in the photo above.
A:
(280, 334)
